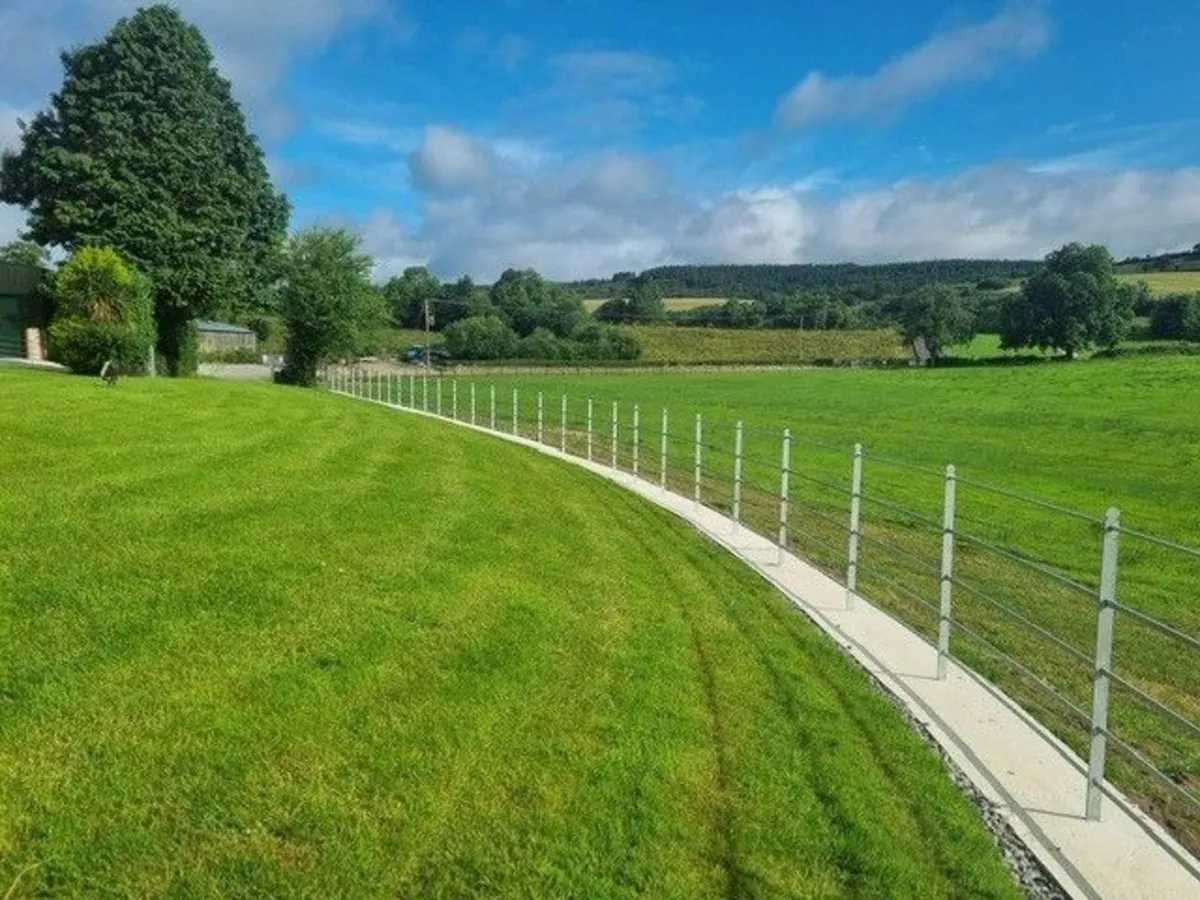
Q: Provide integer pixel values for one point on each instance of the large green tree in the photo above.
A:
(936, 314)
(25, 253)
(527, 302)
(328, 302)
(144, 149)
(1074, 302)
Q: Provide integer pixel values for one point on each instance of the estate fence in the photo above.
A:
(1089, 624)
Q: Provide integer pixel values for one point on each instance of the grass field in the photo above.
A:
(707, 346)
(1086, 435)
(594, 303)
(1167, 282)
(262, 642)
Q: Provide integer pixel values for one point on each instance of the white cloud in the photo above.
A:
(615, 71)
(970, 52)
(449, 159)
(602, 213)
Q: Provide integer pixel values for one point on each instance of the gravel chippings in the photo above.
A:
(1026, 868)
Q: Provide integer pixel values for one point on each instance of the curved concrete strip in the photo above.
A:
(1034, 780)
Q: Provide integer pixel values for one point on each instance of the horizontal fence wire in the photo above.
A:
(903, 510)
(1023, 619)
(1160, 541)
(1025, 498)
(914, 560)
(813, 479)
(820, 542)
(1026, 671)
(799, 504)
(1017, 557)
(1154, 703)
(895, 585)
(1162, 627)
(900, 464)
(1134, 755)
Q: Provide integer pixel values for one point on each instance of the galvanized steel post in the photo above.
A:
(785, 474)
(438, 384)
(540, 431)
(855, 520)
(614, 435)
(425, 391)
(589, 430)
(454, 399)
(737, 477)
(947, 574)
(515, 412)
(637, 436)
(412, 390)
(562, 431)
(662, 453)
(472, 403)
(1103, 668)
(493, 419)
(698, 461)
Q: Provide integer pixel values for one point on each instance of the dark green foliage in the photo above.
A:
(642, 304)
(595, 340)
(938, 315)
(24, 253)
(144, 149)
(543, 344)
(528, 302)
(1176, 317)
(481, 337)
(329, 305)
(864, 281)
(103, 312)
(262, 326)
(1073, 303)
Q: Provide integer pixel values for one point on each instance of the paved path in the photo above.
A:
(1036, 782)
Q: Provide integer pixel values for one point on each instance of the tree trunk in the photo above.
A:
(177, 341)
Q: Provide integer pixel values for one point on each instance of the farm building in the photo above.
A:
(216, 337)
(24, 314)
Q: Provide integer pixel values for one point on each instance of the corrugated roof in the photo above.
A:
(222, 328)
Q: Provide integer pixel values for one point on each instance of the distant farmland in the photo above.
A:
(1167, 282)
(670, 302)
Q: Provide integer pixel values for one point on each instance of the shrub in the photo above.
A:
(104, 310)
(481, 337)
(542, 344)
(1176, 318)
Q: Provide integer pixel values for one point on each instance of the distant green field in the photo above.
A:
(1087, 435)
(266, 642)
(594, 303)
(1167, 282)
(777, 346)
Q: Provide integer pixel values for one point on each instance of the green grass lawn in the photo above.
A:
(1087, 435)
(262, 642)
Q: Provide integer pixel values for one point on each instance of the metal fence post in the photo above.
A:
(589, 430)
(391, 377)
(412, 390)
(425, 392)
(1100, 677)
(662, 453)
(947, 576)
(562, 431)
(438, 384)
(855, 520)
(493, 419)
(454, 399)
(785, 473)
(698, 461)
(540, 431)
(637, 436)
(614, 435)
(516, 410)
(737, 478)
(472, 403)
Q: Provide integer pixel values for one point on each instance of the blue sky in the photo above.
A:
(582, 137)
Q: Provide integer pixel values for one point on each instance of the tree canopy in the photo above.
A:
(938, 316)
(1073, 303)
(328, 302)
(144, 149)
(24, 253)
